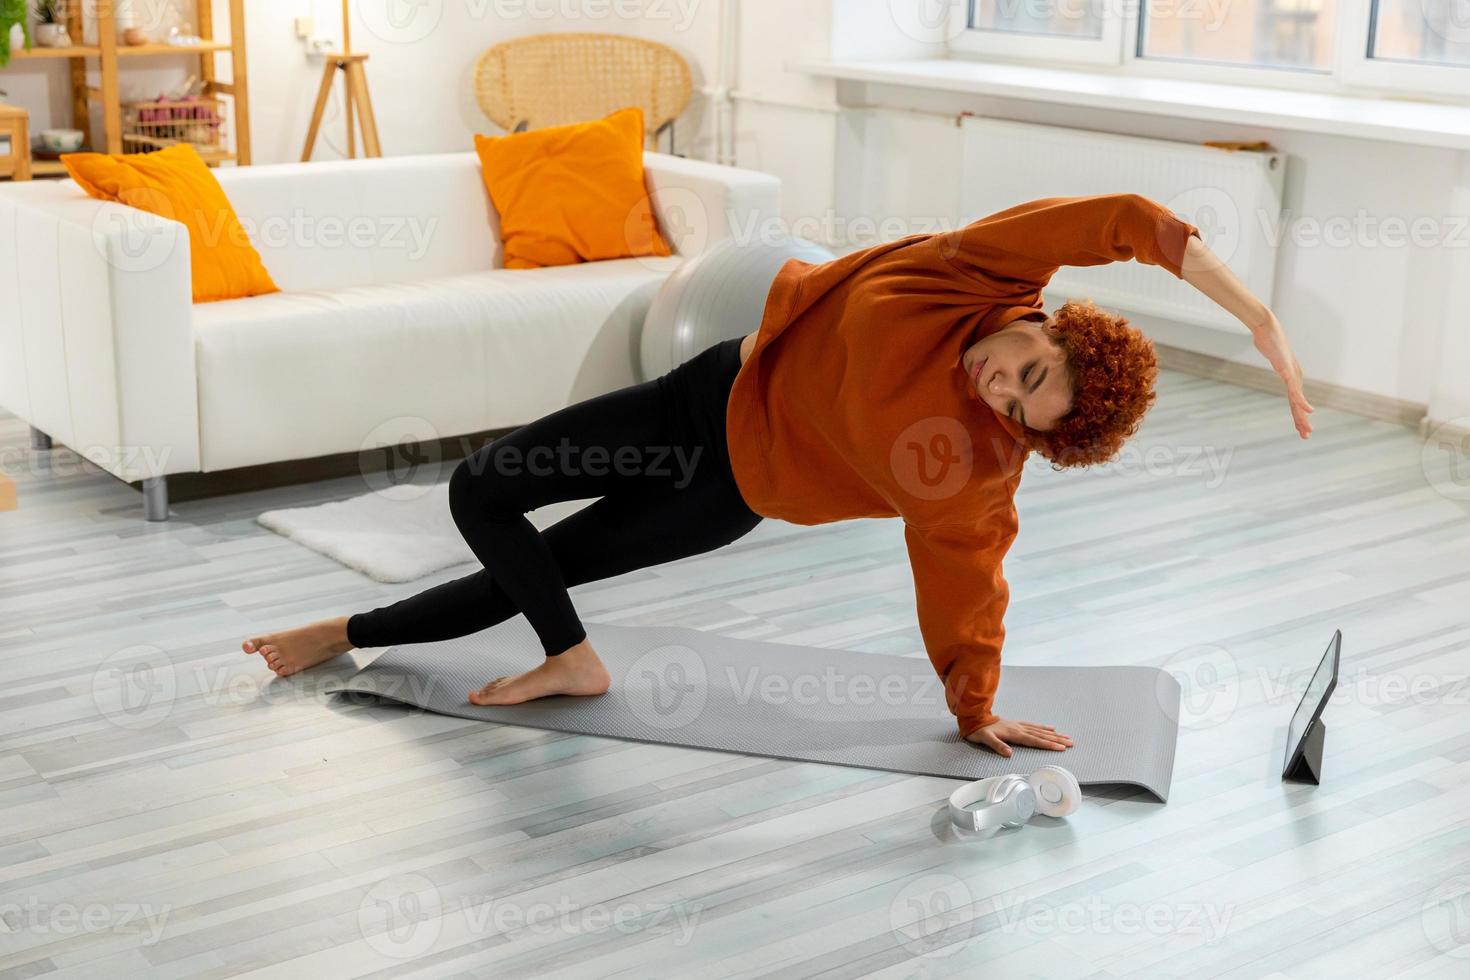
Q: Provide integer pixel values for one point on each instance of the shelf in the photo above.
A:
(74, 51)
(53, 168)
(123, 50)
(140, 50)
(212, 157)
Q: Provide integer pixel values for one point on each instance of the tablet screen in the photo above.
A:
(1318, 690)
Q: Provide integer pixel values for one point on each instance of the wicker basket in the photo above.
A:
(150, 126)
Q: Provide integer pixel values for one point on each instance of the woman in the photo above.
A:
(906, 380)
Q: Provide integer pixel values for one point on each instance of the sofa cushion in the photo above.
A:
(572, 193)
(342, 223)
(295, 375)
(174, 183)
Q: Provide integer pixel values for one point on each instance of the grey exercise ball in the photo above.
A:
(716, 296)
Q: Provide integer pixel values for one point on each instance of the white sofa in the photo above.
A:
(394, 306)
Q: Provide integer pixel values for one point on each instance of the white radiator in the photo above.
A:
(1234, 198)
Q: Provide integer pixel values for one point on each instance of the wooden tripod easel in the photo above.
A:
(356, 98)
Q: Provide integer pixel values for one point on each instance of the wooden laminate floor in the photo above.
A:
(167, 809)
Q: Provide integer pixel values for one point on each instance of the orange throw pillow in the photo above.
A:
(175, 183)
(568, 194)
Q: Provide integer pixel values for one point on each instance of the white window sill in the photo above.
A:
(1393, 120)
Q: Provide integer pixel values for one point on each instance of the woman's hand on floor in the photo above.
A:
(1002, 733)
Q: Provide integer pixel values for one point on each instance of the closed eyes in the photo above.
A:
(1015, 411)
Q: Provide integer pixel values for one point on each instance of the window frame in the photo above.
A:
(1221, 72)
(1350, 71)
(1357, 70)
(1104, 50)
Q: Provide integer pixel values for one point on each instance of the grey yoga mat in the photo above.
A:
(688, 687)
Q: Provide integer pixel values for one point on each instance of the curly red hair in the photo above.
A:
(1113, 369)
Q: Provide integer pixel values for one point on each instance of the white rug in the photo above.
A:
(396, 535)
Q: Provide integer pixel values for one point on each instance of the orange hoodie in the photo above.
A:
(853, 402)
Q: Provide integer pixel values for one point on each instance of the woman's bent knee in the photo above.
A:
(476, 486)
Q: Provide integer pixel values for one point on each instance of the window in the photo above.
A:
(1415, 45)
(1061, 19)
(1435, 32)
(1088, 31)
(1265, 33)
(1399, 45)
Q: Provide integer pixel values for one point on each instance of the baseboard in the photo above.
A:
(1444, 429)
(1319, 393)
(268, 476)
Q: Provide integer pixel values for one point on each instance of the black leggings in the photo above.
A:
(656, 455)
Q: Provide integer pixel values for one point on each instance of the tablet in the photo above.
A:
(1308, 714)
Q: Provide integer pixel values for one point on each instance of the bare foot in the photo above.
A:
(577, 671)
(295, 650)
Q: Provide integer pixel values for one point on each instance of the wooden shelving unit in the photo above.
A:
(108, 52)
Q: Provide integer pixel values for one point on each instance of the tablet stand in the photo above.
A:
(1308, 765)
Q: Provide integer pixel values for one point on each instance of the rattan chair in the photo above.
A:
(551, 79)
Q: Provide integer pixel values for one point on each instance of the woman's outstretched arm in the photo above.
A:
(1205, 271)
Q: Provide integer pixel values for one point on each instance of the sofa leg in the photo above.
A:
(155, 498)
(40, 441)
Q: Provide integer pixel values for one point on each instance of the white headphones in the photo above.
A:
(1009, 801)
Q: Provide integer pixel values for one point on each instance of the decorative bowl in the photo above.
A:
(62, 140)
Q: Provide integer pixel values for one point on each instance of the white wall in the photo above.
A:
(785, 122)
(1451, 392)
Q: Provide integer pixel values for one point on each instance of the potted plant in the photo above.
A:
(13, 29)
(50, 31)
